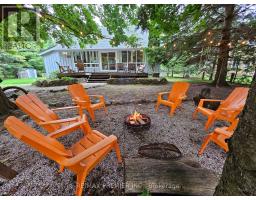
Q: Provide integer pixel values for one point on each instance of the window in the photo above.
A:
(89, 58)
(108, 60)
(124, 56)
(139, 56)
(132, 56)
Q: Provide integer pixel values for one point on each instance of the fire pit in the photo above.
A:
(137, 121)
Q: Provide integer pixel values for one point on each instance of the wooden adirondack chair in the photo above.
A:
(219, 136)
(81, 158)
(228, 110)
(82, 99)
(45, 117)
(175, 97)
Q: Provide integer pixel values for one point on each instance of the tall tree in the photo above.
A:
(221, 74)
(195, 28)
(239, 173)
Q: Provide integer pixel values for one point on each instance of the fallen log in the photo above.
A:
(182, 177)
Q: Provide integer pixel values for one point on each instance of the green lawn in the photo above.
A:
(190, 80)
(16, 82)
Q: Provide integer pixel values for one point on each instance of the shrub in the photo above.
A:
(143, 81)
(56, 82)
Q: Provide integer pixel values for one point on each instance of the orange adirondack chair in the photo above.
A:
(228, 110)
(219, 135)
(81, 158)
(45, 117)
(82, 99)
(175, 97)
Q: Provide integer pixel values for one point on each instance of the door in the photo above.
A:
(108, 61)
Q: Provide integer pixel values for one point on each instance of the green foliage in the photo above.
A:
(53, 75)
(145, 192)
(178, 34)
(66, 78)
(13, 61)
(245, 79)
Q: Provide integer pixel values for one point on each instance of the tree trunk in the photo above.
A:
(5, 105)
(254, 76)
(213, 67)
(203, 75)
(221, 74)
(239, 172)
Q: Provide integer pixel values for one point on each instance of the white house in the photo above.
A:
(98, 58)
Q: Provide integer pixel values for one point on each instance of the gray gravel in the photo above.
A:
(38, 175)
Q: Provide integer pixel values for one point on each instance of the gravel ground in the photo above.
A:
(38, 175)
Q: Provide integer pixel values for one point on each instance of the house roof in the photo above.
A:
(104, 43)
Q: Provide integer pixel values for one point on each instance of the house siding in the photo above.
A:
(50, 64)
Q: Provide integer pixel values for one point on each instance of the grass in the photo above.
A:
(17, 82)
(190, 80)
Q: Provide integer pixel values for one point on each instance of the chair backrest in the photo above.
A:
(236, 99)
(80, 65)
(50, 147)
(178, 90)
(77, 91)
(37, 110)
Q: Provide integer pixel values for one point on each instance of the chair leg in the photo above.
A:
(205, 143)
(118, 152)
(80, 183)
(172, 110)
(157, 106)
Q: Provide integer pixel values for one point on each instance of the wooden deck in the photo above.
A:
(103, 75)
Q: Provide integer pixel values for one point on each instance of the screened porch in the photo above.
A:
(92, 61)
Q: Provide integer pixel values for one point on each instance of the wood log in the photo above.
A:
(6, 172)
(140, 121)
(168, 177)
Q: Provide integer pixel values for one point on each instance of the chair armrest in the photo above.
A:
(81, 103)
(66, 129)
(223, 131)
(211, 100)
(64, 108)
(159, 97)
(231, 109)
(88, 152)
(60, 121)
(183, 97)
